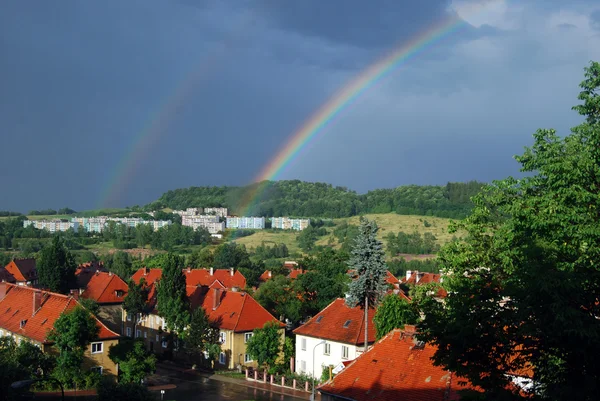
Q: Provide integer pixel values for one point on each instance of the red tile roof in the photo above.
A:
(22, 269)
(329, 324)
(84, 272)
(106, 288)
(17, 306)
(266, 276)
(196, 277)
(395, 369)
(417, 277)
(390, 278)
(236, 311)
(294, 273)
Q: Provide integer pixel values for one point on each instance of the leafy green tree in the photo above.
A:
(120, 264)
(277, 297)
(200, 334)
(202, 258)
(265, 345)
(368, 269)
(135, 362)
(172, 302)
(393, 313)
(71, 334)
(91, 305)
(523, 285)
(135, 302)
(56, 267)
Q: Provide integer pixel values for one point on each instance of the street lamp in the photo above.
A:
(21, 384)
(312, 396)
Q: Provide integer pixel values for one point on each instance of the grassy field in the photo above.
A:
(389, 222)
(271, 238)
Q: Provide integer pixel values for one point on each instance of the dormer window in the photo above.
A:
(23, 322)
(347, 323)
(319, 319)
(119, 293)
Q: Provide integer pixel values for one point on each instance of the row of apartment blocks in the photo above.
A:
(211, 222)
(198, 211)
(92, 224)
(283, 223)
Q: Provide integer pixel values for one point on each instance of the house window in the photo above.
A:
(97, 369)
(129, 317)
(164, 344)
(138, 333)
(247, 336)
(247, 358)
(344, 352)
(222, 337)
(96, 348)
(1, 333)
(303, 344)
(129, 332)
(303, 366)
(157, 339)
(145, 334)
(222, 358)
(327, 349)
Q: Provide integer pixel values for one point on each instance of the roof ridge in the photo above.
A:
(241, 310)
(106, 286)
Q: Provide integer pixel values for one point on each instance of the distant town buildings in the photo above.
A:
(190, 211)
(52, 225)
(285, 223)
(98, 224)
(217, 211)
(256, 223)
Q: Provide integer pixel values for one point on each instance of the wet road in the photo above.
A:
(201, 388)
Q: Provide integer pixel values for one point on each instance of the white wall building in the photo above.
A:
(285, 223)
(52, 225)
(246, 222)
(190, 211)
(217, 211)
(334, 335)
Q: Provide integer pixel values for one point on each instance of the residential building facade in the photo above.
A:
(256, 223)
(53, 226)
(285, 223)
(334, 335)
(217, 211)
(109, 292)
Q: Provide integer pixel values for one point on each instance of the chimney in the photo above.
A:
(408, 274)
(231, 271)
(269, 273)
(75, 294)
(2, 290)
(419, 276)
(216, 298)
(189, 269)
(37, 301)
(110, 274)
(211, 271)
(145, 271)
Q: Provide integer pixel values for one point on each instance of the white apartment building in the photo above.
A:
(217, 211)
(246, 222)
(210, 222)
(98, 224)
(52, 225)
(285, 223)
(190, 211)
(334, 335)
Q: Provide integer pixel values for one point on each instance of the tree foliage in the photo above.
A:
(201, 334)
(393, 313)
(265, 345)
(56, 267)
(172, 302)
(523, 285)
(414, 243)
(135, 362)
(136, 299)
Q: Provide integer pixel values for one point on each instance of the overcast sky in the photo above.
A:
(215, 89)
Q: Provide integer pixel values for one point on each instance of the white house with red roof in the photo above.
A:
(334, 335)
(397, 367)
(28, 314)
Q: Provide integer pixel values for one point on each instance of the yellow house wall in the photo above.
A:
(112, 317)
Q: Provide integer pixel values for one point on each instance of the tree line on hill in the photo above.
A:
(314, 199)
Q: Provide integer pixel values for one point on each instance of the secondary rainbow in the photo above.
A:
(316, 125)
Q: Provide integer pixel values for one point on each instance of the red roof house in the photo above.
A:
(196, 277)
(23, 270)
(31, 313)
(85, 271)
(106, 288)
(398, 367)
(341, 323)
(6, 276)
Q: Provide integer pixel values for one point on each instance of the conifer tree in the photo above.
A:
(56, 267)
(368, 270)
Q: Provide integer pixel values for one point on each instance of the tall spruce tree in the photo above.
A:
(56, 267)
(368, 270)
(172, 302)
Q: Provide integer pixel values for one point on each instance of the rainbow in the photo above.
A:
(316, 125)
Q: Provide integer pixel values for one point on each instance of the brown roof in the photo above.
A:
(18, 316)
(230, 310)
(341, 323)
(22, 269)
(6, 276)
(396, 368)
(106, 288)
